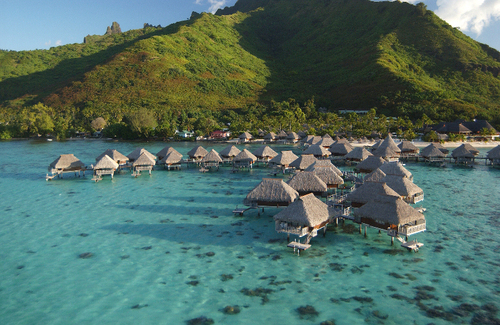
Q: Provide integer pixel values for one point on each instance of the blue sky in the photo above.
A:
(41, 24)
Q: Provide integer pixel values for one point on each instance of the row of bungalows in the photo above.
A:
(282, 136)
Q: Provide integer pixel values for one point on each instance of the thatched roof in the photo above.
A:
(264, 152)
(284, 158)
(370, 164)
(165, 151)
(402, 185)
(314, 140)
(396, 168)
(386, 152)
(307, 182)
(327, 174)
(358, 153)
(317, 150)
(171, 158)
(324, 163)
(270, 136)
(389, 210)
(144, 160)
(441, 147)
(106, 163)
(245, 136)
(230, 151)
(325, 142)
(340, 148)
(431, 151)
(494, 153)
(303, 162)
(469, 147)
(134, 155)
(245, 155)
(68, 161)
(113, 154)
(212, 156)
(292, 136)
(307, 211)
(282, 134)
(368, 191)
(389, 142)
(197, 152)
(307, 138)
(271, 191)
(375, 176)
(407, 146)
(327, 136)
(462, 152)
(376, 145)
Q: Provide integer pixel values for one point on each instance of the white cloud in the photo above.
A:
(58, 43)
(469, 15)
(214, 4)
(48, 43)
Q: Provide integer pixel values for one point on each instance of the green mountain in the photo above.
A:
(346, 54)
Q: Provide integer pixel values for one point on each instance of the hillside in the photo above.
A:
(396, 57)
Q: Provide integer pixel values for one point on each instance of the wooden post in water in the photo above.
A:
(365, 230)
(392, 241)
(360, 231)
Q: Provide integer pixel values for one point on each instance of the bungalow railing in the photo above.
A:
(411, 229)
(285, 227)
(99, 172)
(417, 198)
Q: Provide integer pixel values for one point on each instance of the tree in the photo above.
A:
(36, 120)
(142, 122)
(98, 124)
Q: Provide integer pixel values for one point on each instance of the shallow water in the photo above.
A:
(167, 248)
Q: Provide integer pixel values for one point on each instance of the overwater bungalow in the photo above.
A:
(229, 152)
(317, 151)
(245, 137)
(307, 139)
(165, 151)
(408, 190)
(245, 159)
(105, 166)
(358, 154)
(325, 142)
(494, 156)
(432, 154)
(326, 163)
(441, 147)
(308, 182)
(462, 155)
(283, 160)
(471, 148)
(396, 168)
(144, 162)
(264, 153)
(173, 159)
(389, 142)
(370, 164)
(134, 155)
(303, 217)
(211, 159)
(282, 135)
(65, 164)
(292, 137)
(366, 192)
(197, 153)
(340, 148)
(119, 158)
(388, 149)
(271, 192)
(375, 176)
(303, 162)
(270, 137)
(408, 149)
(327, 175)
(393, 215)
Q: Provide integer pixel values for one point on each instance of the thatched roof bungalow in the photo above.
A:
(432, 153)
(358, 154)
(408, 190)
(368, 191)
(245, 136)
(292, 137)
(462, 155)
(105, 166)
(340, 148)
(264, 153)
(308, 182)
(494, 156)
(327, 175)
(270, 137)
(396, 168)
(66, 163)
(326, 163)
(134, 155)
(313, 139)
(119, 158)
(370, 164)
(282, 135)
(375, 176)
(283, 159)
(392, 214)
(211, 159)
(305, 216)
(271, 192)
(303, 162)
(318, 151)
(165, 151)
(245, 159)
(408, 149)
(144, 162)
(197, 153)
(229, 152)
(173, 158)
(326, 142)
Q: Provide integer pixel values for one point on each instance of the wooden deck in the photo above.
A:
(298, 246)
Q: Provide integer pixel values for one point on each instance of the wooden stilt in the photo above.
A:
(392, 241)
(360, 231)
(365, 229)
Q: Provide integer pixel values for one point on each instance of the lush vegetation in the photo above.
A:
(239, 68)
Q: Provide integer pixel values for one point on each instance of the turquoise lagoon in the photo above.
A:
(167, 249)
